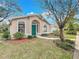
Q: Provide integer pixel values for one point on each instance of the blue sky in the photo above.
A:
(28, 6)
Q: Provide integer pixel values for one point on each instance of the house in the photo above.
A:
(29, 25)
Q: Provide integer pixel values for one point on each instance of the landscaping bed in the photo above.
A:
(16, 41)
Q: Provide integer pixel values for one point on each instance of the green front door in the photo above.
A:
(34, 30)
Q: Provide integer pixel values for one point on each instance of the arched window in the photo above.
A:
(21, 27)
(45, 28)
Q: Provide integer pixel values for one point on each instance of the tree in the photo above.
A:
(4, 27)
(8, 8)
(61, 11)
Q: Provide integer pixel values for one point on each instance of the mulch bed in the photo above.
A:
(15, 41)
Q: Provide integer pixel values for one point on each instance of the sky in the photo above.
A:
(31, 6)
(28, 6)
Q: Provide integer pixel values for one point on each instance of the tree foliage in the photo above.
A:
(3, 27)
(71, 29)
(8, 8)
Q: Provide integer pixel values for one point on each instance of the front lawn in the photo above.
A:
(51, 35)
(70, 36)
(33, 49)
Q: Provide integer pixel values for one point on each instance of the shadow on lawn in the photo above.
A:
(66, 45)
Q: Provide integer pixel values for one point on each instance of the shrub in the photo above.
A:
(30, 37)
(34, 36)
(70, 41)
(44, 35)
(18, 35)
(56, 33)
(6, 35)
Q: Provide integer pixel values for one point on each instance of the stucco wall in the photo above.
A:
(41, 26)
(13, 28)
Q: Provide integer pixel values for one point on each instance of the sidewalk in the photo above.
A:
(76, 51)
(47, 38)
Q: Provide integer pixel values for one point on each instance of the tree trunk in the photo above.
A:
(61, 34)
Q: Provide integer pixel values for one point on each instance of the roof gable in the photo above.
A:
(32, 15)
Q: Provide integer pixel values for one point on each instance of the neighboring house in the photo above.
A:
(29, 25)
(54, 27)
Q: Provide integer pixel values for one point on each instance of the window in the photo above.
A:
(21, 27)
(45, 28)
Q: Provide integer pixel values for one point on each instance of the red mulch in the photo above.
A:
(15, 41)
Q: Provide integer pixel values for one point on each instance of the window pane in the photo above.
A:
(45, 28)
(21, 27)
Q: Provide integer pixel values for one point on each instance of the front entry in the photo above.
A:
(34, 29)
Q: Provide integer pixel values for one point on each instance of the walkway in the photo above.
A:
(76, 51)
(47, 38)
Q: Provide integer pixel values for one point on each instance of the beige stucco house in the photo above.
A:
(29, 25)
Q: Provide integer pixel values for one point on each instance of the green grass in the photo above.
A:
(70, 36)
(35, 49)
